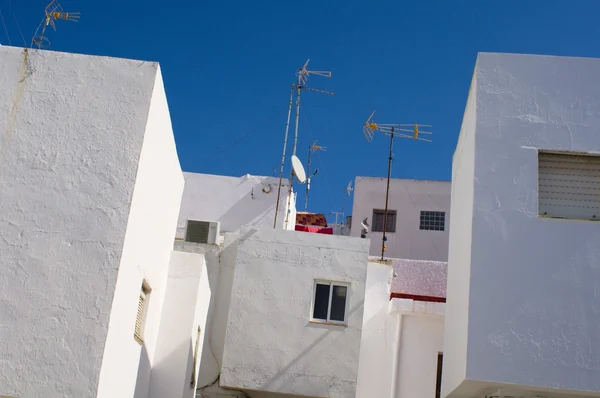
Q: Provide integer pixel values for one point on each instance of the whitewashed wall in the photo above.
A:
(145, 255)
(185, 310)
(531, 312)
(408, 369)
(459, 251)
(234, 201)
(72, 134)
(378, 335)
(408, 198)
(270, 345)
(220, 263)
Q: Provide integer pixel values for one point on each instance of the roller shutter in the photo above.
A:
(569, 185)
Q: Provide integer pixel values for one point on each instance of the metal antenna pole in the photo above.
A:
(303, 74)
(308, 179)
(298, 91)
(337, 213)
(287, 129)
(393, 130)
(312, 148)
(52, 13)
(387, 194)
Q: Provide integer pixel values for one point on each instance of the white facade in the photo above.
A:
(177, 358)
(78, 137)
(522, 287)
(91, 188)
(408, 198)
(272, 343)
(235, 201)
(403, 328)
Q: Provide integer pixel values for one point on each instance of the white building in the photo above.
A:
(295, 314)
(523, 275)
(418, 217)
(235, 201)
(88, 218)
(403, 329)
(258, 274)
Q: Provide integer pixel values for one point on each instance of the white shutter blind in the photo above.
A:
(569, 185)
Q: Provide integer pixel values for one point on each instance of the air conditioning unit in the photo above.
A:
(206, 232)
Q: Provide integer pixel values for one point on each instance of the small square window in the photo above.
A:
(142, 310)
(379, 220)
(330, 301)
(433, 221)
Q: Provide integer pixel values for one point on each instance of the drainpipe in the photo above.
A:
(395, 393)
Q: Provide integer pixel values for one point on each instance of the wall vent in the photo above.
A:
(569, 185)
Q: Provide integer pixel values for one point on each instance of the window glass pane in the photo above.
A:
(338, 303)
(321, 302)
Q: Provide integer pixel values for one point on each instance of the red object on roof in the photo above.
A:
(314, 219)
(315, 230)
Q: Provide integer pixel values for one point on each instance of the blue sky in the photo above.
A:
(228, 66)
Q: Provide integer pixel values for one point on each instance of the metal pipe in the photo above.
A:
(307, 179)
(387, 194)
(298, 90)
(287, 129)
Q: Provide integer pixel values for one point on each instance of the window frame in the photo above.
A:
(434, 214)
(139, 328)
(331, 284)
(391, 213)
(544, 155)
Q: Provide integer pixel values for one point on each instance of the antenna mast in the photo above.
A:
(392, 131)
(287, 129)
(303, 75)
(52, 12)
(312, 148)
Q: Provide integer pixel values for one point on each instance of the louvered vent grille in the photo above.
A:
(197, 231)
(140, 317)
(569, 186)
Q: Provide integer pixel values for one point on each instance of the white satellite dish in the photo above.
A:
(298, 169)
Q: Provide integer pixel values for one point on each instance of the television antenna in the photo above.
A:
(311, 148)
(52, 12)
(303, 75)
(392, 131)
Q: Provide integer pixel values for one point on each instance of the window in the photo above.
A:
(438, 380)
(195, 362)
(378, 220)
(142, 310)
(329, 303)
(433, 221)
(569, 185)
(197, 231)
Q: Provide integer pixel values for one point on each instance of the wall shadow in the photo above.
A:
(143, 376)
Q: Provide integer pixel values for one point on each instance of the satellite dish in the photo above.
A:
(298, 169)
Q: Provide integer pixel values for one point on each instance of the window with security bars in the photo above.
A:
(197, 231)
(378, 220)
(142, 310)
(433, 221)
(569, 185)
